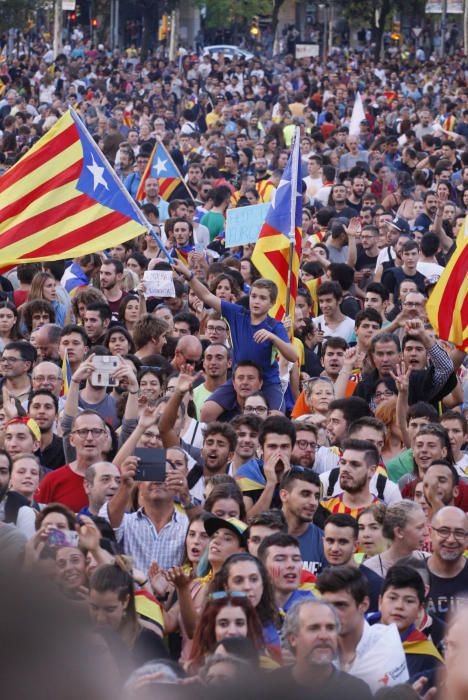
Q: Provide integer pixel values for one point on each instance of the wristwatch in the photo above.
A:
(190, 277)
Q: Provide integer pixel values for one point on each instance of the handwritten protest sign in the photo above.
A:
(159, 283)
(244, 224)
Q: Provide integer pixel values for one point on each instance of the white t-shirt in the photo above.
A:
(344, 330)
(462, 466)
(383, 256)
(380, 659)
(429, 269)
(391, 492)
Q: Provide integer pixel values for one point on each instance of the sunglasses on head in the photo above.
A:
(222, 595)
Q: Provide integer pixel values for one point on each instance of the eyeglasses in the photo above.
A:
(192, 363)
(10, 360)
(259, 410)
(383, 394)
(216, 329)
(304, 444)
(445, 532)
(223, 595)
(84, 432)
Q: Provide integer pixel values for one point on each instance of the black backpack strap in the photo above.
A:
(381, 483)
(334, 474)
(194, 475)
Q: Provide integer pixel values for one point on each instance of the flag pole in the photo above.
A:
(292, 230)
(139, 214)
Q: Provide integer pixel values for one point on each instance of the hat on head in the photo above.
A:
(400, 224)
(236, 526)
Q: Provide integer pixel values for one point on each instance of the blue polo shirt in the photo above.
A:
(244, 346)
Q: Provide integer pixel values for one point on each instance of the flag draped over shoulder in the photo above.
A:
(160, 166)
(62, 200)
(447, 306)
(271, 252)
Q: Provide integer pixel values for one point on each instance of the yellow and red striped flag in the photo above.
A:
(271, 252)
(447, 306)
(162, 167)
(62, 200)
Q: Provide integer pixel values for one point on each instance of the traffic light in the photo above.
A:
(94, 23)
(254, 28)
(163, 27)
(72, 17)
(396, 31)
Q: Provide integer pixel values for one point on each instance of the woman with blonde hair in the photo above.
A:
(44, 286)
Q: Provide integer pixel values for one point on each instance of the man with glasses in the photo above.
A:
(216, 330)
(89, 437)
(188, 351)
(48, 375)
(16, 363)
(447, 565)
(300, 491)
(306, 444)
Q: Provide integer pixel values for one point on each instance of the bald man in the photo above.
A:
(447, 565)
(46, 340)
(188, 352)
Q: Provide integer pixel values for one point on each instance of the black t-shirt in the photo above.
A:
(364, 261)
(394, 276)
(53, 456)
(447, 594)
(347, 212)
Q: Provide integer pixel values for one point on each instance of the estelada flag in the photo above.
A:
(62, 200)
(447, 306)
(271, 252)
(162, 167)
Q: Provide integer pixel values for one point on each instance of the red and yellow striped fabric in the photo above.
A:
(447, 306)
(335, 504)
(271, 252)
(265, 189)
(61, 200)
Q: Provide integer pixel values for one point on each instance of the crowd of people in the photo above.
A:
(221, 495)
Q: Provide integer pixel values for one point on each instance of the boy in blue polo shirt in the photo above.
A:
(255, 336)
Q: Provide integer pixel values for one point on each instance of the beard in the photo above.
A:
(355, 486)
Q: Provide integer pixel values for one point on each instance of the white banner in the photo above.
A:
(454, 7)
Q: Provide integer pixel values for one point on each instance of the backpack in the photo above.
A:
(335, 473)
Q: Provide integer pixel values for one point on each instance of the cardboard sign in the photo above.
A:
(159, 283)
(244, 224)
(307, 50)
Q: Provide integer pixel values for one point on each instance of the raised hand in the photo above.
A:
(88, 532)
(158, 580)
(85, 369)
(401, 376)
(179, 577)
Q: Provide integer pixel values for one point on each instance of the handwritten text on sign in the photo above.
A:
(244, 224)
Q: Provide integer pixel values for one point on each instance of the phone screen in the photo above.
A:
(152, 464)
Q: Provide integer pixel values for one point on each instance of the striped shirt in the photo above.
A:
(145, 544)
(335, 504)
